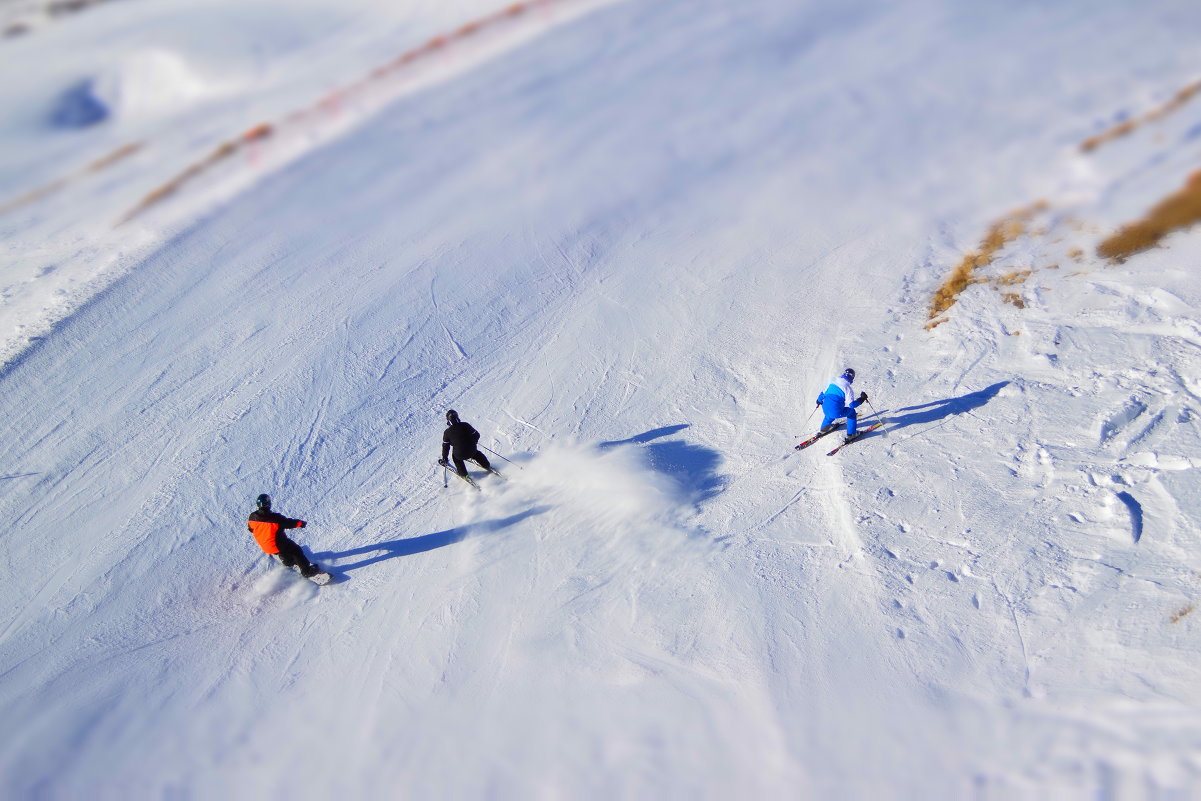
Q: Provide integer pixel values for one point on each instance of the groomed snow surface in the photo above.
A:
(630, 246)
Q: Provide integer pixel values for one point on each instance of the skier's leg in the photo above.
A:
(291, 555)
(483, 460)
(287, 550)
(852, 421)
(833, 411)
(462, 468)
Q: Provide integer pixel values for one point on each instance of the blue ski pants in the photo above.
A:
(835, 408)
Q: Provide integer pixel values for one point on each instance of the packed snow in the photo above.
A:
(630, 242)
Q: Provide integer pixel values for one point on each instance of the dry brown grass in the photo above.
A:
(1128, 126)
(1178, 210)
(123, 152)
(1182, 613)
(1000, 234)
(1014, 299)
(160, 193)
(1012, 278)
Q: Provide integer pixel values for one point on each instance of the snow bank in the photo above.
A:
(141, 85)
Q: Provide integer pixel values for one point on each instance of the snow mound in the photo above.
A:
(140, 85)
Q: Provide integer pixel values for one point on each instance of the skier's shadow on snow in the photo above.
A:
(693, 467)
(428, 542)
(645, 437)
(941, 409)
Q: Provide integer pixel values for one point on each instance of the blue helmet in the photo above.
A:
(848, 374)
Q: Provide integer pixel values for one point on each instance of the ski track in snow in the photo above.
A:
(630, 254)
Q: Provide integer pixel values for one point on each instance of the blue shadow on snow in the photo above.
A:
(693, 467)
(414, 545)
(937, 410)
(648, 436)
(1136, 514)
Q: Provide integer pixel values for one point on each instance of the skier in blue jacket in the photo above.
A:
(836, 403)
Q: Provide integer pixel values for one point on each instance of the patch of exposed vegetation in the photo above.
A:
(1013, 299)
(123, 152)
(1000, 234)
(1012, 278)
(1127, 126)
(19, 19)
(1181, 209)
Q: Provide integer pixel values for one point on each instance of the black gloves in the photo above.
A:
(862, 397)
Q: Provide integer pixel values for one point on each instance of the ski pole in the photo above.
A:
(877, 414)
(811, 411)
(494, 453)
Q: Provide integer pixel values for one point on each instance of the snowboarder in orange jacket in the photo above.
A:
(268, 530)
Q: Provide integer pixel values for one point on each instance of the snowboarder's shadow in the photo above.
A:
(940, 409)
(694, 467)
(427, 542)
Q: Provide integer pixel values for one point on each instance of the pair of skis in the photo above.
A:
(858, 435)
(449, 468)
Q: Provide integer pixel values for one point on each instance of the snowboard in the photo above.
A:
(320, 578)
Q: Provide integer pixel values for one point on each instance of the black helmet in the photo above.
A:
(452, 416)
(263, 501)
(848, 374)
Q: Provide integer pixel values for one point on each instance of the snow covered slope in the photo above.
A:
(139, 118)
(631, 253)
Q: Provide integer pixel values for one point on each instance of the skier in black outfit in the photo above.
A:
(463, 438)
(268, 530)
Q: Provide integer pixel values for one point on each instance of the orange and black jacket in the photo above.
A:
(266, 525)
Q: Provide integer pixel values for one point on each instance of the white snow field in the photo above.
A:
(629, 243)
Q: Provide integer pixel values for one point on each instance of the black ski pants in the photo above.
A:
(291, 555)
(475, 457)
